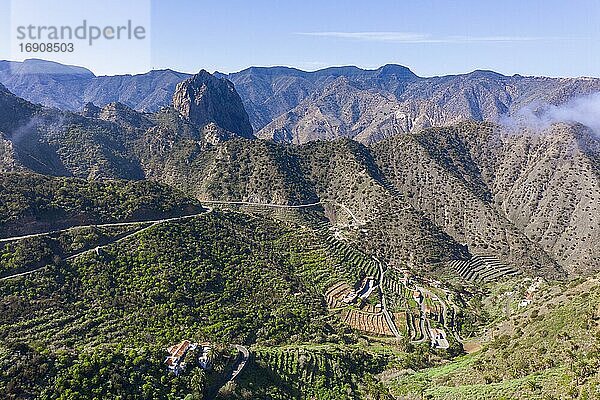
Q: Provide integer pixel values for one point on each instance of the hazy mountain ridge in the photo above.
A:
(467, 185)
(295, 106)
(70, 88)
(409, 104)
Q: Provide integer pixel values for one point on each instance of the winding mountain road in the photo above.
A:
(108, 225)
(152, 223)
(423, 322)
(34, 235)
(249, 203)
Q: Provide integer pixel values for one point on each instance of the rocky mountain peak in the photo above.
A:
(205, 99)
(399, 71)
(90, 110)
(122, 115)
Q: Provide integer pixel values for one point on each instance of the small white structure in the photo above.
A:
(175, 360)
(529, 294)
(367, 287)
(438, 338)
(350, 297)
(417, 296)
(525, 302)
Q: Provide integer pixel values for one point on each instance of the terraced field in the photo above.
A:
(336, 293)
(482, 268)
(401, 321)
(345, 265)
(346, 256)
(317, 371)
(372, 323)
(368, 318)
(396, 291)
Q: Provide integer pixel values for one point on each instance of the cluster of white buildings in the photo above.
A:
(177, 353)
(530, 292)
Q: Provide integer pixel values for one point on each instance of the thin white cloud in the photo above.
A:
(412, 37)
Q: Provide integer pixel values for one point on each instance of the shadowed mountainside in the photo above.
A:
(294, 106)
(432, 196)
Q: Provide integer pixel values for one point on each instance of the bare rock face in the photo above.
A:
(213, 134)
(123, 115)
(204, 99)
(90, 110)
(341, 109)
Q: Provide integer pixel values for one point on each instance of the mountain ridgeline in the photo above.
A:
(388, 226)
(463, 190)
(294, 106)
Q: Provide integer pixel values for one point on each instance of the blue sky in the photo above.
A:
(554, 38)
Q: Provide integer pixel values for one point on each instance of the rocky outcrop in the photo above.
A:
(90, 110)
(124, 116)
(204, 99)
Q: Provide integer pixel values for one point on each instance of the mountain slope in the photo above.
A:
(420, 197)
(70, 88)
(543, 184)
(397, 102)
(548, 184)
(33, 203)
(341, 109)
(223, 277)
(462, 209)
(549, 350)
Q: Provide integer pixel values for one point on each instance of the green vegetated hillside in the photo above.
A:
(550, 350)
(99, 305)
(97, 326)
(31, 203)
(36, 252)
(443, 193)
(426, 197)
